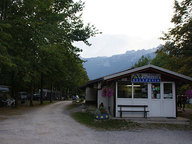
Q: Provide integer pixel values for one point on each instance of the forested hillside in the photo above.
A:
(101, 66)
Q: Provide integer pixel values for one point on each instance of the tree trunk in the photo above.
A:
(13, 88)
(51, 92)
(41, 93)
(31, 94)
(60, 94)
(68, 95)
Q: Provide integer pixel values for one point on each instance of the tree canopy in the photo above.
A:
(143, 61)
(36, 44)
(178, 40)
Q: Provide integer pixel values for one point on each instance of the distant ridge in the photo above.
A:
(100, 66)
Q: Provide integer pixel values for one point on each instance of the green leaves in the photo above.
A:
(143, 61)
(178, 41)
(37, 37)
(183, 24)
(5, 37)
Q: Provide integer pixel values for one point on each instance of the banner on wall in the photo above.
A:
(146, 78)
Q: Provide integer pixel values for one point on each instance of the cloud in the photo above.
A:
(126, 25)
(108, 45)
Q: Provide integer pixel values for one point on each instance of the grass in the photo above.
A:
(111, 124)
(189, 106)
(121, 124)
(188, 116)
(72, 106)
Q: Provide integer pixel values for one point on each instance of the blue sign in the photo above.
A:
(146, 78)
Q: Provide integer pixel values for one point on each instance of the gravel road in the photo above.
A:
(52, 125)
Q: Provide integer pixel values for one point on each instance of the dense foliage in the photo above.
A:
(143, 61)
(36, 45)
(178, 40)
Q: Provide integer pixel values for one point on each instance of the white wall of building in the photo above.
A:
(156, 107)
(107, 101)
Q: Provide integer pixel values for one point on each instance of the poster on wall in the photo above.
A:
(146, 78)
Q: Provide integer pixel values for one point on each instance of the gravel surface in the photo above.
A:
(52, 125)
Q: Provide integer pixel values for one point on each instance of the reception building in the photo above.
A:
(148, 91)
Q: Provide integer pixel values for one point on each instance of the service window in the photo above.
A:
(168, 91)
(124, 89)
(140, 90)
(155, 91)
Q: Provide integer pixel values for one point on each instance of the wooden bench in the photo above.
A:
(133, 106)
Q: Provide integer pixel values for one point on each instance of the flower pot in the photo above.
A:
(102, 116)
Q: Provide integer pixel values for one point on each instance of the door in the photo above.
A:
(162, 102)
(168, 103)
(155, 102)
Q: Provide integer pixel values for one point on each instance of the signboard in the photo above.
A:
(146, 78)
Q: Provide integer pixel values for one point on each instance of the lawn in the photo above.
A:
(122, 124)
(111, 124)
(185, 115)
(189, 106)
(72, 106)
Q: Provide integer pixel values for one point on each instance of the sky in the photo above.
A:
(125, 25)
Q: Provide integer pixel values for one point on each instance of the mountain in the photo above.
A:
(101, 66)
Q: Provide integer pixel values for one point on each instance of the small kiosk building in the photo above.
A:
(148, 91)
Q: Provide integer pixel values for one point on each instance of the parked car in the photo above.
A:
(23, 95)
(4, 94)
(9, 102)
(36, 96)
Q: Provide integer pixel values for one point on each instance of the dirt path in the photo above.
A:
(51, 125)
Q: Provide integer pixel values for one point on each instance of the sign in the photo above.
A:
(146, 78)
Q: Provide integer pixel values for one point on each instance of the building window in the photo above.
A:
(168, 94)
(124, 89)
(155, 91)
(140, 90)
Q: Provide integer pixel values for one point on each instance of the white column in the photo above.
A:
(116, 95)
(149, 91)
(174, 98)
(162, 90)
(132, 91)
(149, 99)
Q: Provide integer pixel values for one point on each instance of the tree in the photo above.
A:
(5, 37)
(179, 38)
(176, 54)
(143, 61)
(41, 46)
(4, 43)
